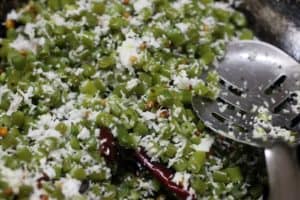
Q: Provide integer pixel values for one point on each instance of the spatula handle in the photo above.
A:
(283, 172)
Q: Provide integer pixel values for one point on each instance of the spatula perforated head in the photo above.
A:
(253, 74)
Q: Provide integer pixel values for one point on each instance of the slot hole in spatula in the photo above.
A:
(232, 88)
(219, 117)
(285, 104)
(275, 85)
(295, 121)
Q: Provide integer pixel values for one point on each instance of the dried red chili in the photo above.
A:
(108, 146)
(164, 175)
(109, 149)
(44, 197)
(39, 181)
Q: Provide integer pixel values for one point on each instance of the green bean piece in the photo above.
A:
(74, 129)
(220, 176)
(213, 77)
(181, 165)
(222, 15)
(196, 161)
(171, 151)
(61, 127)
(147, 79)
(104, 119)
(9, 141)
(87, 40)
(171, 13)
(54, 4)
(193, 35)
(92, 144)
(88, 70)
(199, 185)
(78, 173)
(18, 119)
(67, 164)
(111, 192)
(88, 88)
(99, 85)
(97, 176)
(98, 7)
(51, 143)
(201, 89)
(176, 37)
(91, 19)
(106, 62)
(186, 96)
(18, 60)
(239, 19)
(115, 109)
(157, 32)
(25, 191)
(246, 34)
(75, 144)
(141, 128)
(116, 23)
(208, 57)
(58, 171)
(11, 162)
(24, 154)
(234, 174)
(146, 14)
(207, 1)
(126, 139)
(76, 157)
(165, 98)
(66, 2)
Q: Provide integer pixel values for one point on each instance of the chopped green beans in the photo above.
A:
(71, 68)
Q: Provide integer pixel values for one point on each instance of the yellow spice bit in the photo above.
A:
(8, 191)
(206, 28)
(3, 131)
(87, 114)
(133, 59)
(164, 114)
(149, 105)
(103, 102)
(24, 53)
(126, 15)
(126, 2)
(143, 46)
(161, 197)
(58, 184)
(197, 133)
(31, 8)
(44, 197)
(9, 24)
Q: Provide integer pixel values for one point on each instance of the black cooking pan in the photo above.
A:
(5, 7)
(274, 21)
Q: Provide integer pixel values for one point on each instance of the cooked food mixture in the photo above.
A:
(95, 102)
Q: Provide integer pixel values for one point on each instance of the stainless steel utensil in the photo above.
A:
(255, 74)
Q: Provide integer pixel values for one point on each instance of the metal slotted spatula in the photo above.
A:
(257, 76)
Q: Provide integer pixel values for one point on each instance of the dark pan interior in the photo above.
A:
(5, 7)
